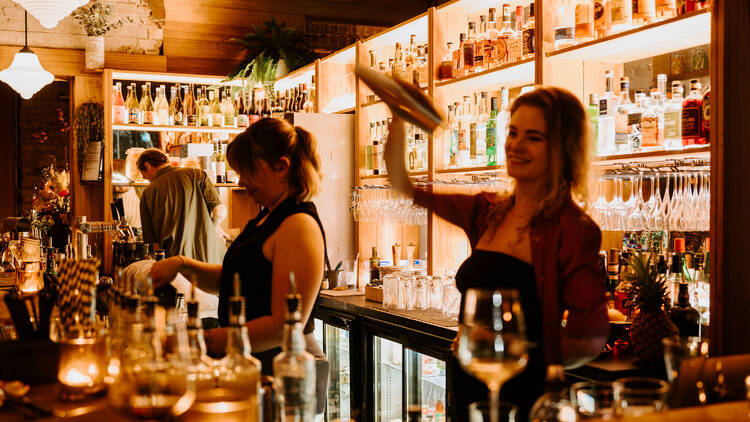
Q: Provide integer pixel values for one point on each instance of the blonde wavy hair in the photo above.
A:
(568, 140)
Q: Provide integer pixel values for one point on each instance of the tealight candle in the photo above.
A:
(82, 367)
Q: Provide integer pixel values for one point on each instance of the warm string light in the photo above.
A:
(25, 74)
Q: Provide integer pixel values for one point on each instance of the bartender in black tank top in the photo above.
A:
(279, 167)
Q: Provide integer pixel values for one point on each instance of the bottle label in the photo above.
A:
(706, 114)
(620, 11)
(691, 122)
(528, 41)
(221, 168)
(603, 107)
(243, 120)
(368, 157)
(217, 119)
(178, 118)
(472, 141)
(564, 33)
(192, 119)
(205, 116)
(119, 114)
(650, 131)
(672, 125)
(502, 50)
(133, 116)
(148, 117)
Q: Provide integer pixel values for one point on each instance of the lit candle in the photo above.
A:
(29, 282)
(74, 378)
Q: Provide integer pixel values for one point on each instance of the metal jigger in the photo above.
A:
(404, 99)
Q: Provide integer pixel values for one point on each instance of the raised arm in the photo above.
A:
(208, 275)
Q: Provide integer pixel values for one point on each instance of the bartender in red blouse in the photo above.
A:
(536, 240)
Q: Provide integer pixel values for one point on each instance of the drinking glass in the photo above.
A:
(593, 400)
(492, 339)
(480, 412)
(636, 396)
(677, 351)
(451, 298)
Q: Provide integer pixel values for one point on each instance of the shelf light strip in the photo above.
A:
(199, 129)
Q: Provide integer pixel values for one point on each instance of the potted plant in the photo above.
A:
(272, 51)
(88, 122)
(94, 19)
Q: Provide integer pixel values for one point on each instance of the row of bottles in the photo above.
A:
(487, 46)
(236, 377)
(415, 154)
(653, 122)
(580, 21)
(409, 64)
(687, 276)
(477, 128)
(202, 106)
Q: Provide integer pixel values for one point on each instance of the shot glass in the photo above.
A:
(592, 400)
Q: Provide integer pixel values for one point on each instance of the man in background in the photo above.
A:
(181, 210)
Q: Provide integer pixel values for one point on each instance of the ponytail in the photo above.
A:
(306, 165)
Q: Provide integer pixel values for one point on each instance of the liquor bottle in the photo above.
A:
(584, 19)
(491, 134)
(635, 121)
(673, 119)
(239, 371)
(221, 168)
(509, 45)
(528, 38)
(384, 125)
(464, 118)
(420, 140)
(265, 110)
(706, 116)
(368, 149)
(448, 137)
(162, 107)
(520, 18)
(602, 18)
(376, 153)
(503, 122)
(624, 290)
(622, 15)
(482, 114)
(606, 117)
(472, 121)
(676, 270)
(469, 49)
(622, 111)
(216, 118)
(554, 405)
(119, 110)
(200, 369)
(312, 98)
(253, 114)
(652, 123)
(422, 71)
(374, 266)
(204, 110)
(593, 111)
(564, 25)
(684, 316)
(666, 9)
(646, 12)
(479, 64)
(132, 105)
(176, 111)
(490, 40)
(445, 70)
(692, 116)
(241, 110)
(191, 112)
(229, 118)
(294, 368)
(147, 105)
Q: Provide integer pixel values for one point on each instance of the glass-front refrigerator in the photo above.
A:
(408, 385)
(336, 345)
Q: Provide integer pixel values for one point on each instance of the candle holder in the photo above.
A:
(83, 365)
(29, 278)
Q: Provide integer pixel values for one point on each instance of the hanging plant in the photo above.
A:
(94, 18)
(88, 123)
(265, 47)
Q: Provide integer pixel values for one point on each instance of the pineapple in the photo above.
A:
(651, 323)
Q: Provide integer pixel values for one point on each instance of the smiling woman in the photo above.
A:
(536, 240)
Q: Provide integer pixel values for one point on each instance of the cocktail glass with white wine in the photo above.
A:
(492, 339)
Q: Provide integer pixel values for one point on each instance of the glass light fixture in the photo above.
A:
(50, 12)
(25, 74)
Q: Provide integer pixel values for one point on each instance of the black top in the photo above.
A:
(494, 270)
(245, 256)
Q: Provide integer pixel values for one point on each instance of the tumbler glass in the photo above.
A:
(636, 396)
(420, 292)
(390, 291)
(593, 400)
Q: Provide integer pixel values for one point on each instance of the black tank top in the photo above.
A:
(245, 256)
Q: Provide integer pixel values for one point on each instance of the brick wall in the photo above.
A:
(142, 30)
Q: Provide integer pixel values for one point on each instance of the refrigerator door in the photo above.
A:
(335, 137)
(425, 386)
(388, 385)
(339, 392)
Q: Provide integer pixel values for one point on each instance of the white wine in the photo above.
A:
(495, 371)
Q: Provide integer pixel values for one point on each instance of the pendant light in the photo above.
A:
(50, 12)
(25, 74)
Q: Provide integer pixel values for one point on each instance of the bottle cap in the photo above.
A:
(706, 248)
(679, 245)
(613, 256)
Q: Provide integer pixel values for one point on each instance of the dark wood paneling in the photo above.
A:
(8, 145)
(730, 173)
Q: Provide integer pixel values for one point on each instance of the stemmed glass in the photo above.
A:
(492, 339)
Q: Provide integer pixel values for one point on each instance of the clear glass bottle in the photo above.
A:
(673, 119)
(479, 64)
(692, 116)
(176, 112)
(622, 15)
(503, 122)
(635, 121)
(510, 43)
(469, 49)
(204, 110)
(458, 57)
(133, 107)
(162, 107)
(622, 125)
(368, 149)
(602, 18)
(652, 123)
(564, 25)
(584, 20)
(448, 139)
(464, 119)
(294, 368)
(473, 130)
(490, 44)
(119, 110)
(445, 70)
(200, 369)
(229, 116)
(482, 114)
(528, 38)
(646, 12)
(554, 405)
(191, 111)
(239, 371)
(216, 116)
(593, 111)
(666, 9)
(491, 134)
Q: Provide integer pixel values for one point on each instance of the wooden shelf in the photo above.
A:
(703, 152)
(470, 169)
(510, 75)
(197, 129)
(371, 103)
(346, 110)
(385, 176)
(144, 184)
(684, 31)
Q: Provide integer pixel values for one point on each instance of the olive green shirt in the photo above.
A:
(176, 213)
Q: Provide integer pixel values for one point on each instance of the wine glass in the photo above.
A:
(492, 339)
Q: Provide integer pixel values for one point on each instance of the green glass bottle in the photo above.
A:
(491, 131)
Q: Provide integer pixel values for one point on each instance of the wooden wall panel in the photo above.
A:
(8, 146)
(87, 198)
